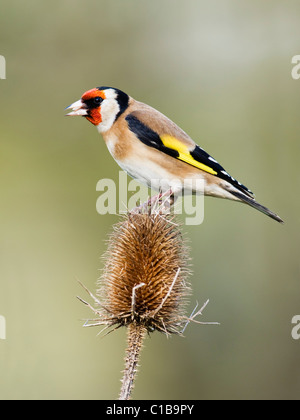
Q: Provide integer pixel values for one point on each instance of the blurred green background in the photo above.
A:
(222, 71)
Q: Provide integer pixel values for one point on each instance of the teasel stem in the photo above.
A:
(136, 334)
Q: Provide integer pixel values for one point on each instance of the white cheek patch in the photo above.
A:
(109, 110)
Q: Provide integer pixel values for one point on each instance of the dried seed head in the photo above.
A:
(144, 282)
(145, 275)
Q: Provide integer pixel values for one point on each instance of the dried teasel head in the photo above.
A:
(144, 283)
(145, 276)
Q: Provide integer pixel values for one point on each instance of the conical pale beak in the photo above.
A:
(78, 108)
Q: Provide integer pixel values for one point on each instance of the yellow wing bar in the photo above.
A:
(184, 153)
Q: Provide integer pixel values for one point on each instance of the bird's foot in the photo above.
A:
(161, 202)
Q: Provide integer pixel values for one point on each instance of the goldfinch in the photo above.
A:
(149, 146)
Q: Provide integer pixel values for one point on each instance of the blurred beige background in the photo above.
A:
(222, 71)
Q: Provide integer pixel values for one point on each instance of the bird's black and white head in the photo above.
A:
(101, 106)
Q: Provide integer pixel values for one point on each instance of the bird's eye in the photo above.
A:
(97, 100)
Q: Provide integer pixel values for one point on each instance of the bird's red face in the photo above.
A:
(101, 106)
(89, 106)
(93, 99)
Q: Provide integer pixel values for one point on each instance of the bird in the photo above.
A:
(149, 146)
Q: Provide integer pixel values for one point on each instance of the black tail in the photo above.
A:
(255, 204)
